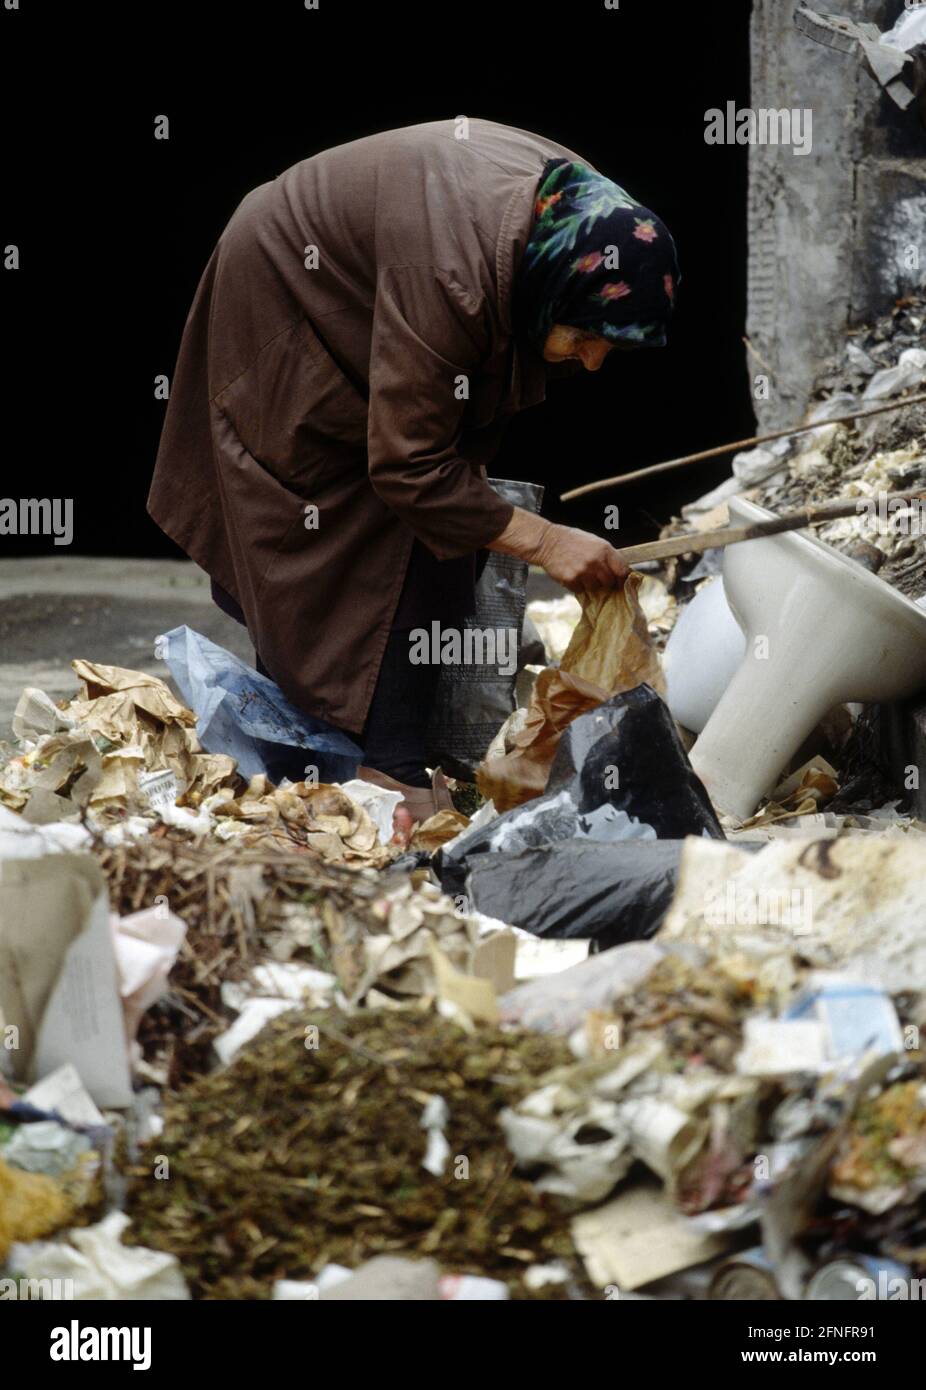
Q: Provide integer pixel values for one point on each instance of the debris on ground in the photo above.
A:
(580, 1032)
(326, 1162)
(688, 1075)
(31, 1205)
(124, 757)
(96, 1263)
(244, 907)
(881, 455)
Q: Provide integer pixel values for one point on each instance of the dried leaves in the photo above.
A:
(309, 1150)
(232, 899)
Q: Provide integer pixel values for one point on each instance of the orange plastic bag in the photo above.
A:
(610, 651)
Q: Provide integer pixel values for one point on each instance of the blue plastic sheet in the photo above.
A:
(240, 712)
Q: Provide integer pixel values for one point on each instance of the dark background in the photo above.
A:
(115, 227)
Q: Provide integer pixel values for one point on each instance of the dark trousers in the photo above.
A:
(395, 733)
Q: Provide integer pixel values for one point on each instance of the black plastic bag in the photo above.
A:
(620, 775)
(632, 740)
(610, 893)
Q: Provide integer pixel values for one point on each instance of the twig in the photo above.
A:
(737, 444)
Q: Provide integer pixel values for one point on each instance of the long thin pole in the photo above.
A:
(733, 448)
(696, 542)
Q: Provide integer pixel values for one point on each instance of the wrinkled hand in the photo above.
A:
(580, 561)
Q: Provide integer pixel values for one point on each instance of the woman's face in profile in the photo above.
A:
(565, 344)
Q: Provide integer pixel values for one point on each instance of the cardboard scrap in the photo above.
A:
(638, 1237)
(853, 903)
(58, 984)
(467, 994)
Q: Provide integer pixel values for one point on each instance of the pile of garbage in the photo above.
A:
(336, 1065)
(265, 929)
(883, 454)
(124, 757)
(582, 1033)
(739, 1095)
(334, 1138)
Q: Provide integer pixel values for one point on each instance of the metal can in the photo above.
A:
(853, 1278)
(748, 1276)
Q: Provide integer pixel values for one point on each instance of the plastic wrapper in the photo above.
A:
(610, 651)
(244, 714)
(473, 701)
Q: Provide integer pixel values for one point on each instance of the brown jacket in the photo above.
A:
(341, 387)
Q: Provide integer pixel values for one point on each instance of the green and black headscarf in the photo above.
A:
(596, 260)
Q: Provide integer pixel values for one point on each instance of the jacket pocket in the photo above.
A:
(296, 411)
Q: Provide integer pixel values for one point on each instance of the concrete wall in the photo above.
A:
(827, 230)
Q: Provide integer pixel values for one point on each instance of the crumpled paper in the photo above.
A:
(135, 709)
(610, 651)
(322, 817)
(126, 751)
(118, 695)
(800, 794)
(588, 1123)
(438, 830)
(95, 751)
(392, 962)
(146, 944)
(101, 1267)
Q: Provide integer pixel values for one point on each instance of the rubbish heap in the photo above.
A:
(581, 1034)
(881, 454)
(334, 1138)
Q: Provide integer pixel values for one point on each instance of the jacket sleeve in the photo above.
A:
(429, 332)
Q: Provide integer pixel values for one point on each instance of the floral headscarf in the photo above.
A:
(596, 260)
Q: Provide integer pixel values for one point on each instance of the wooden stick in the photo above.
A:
(733, 448)
(697, 542)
